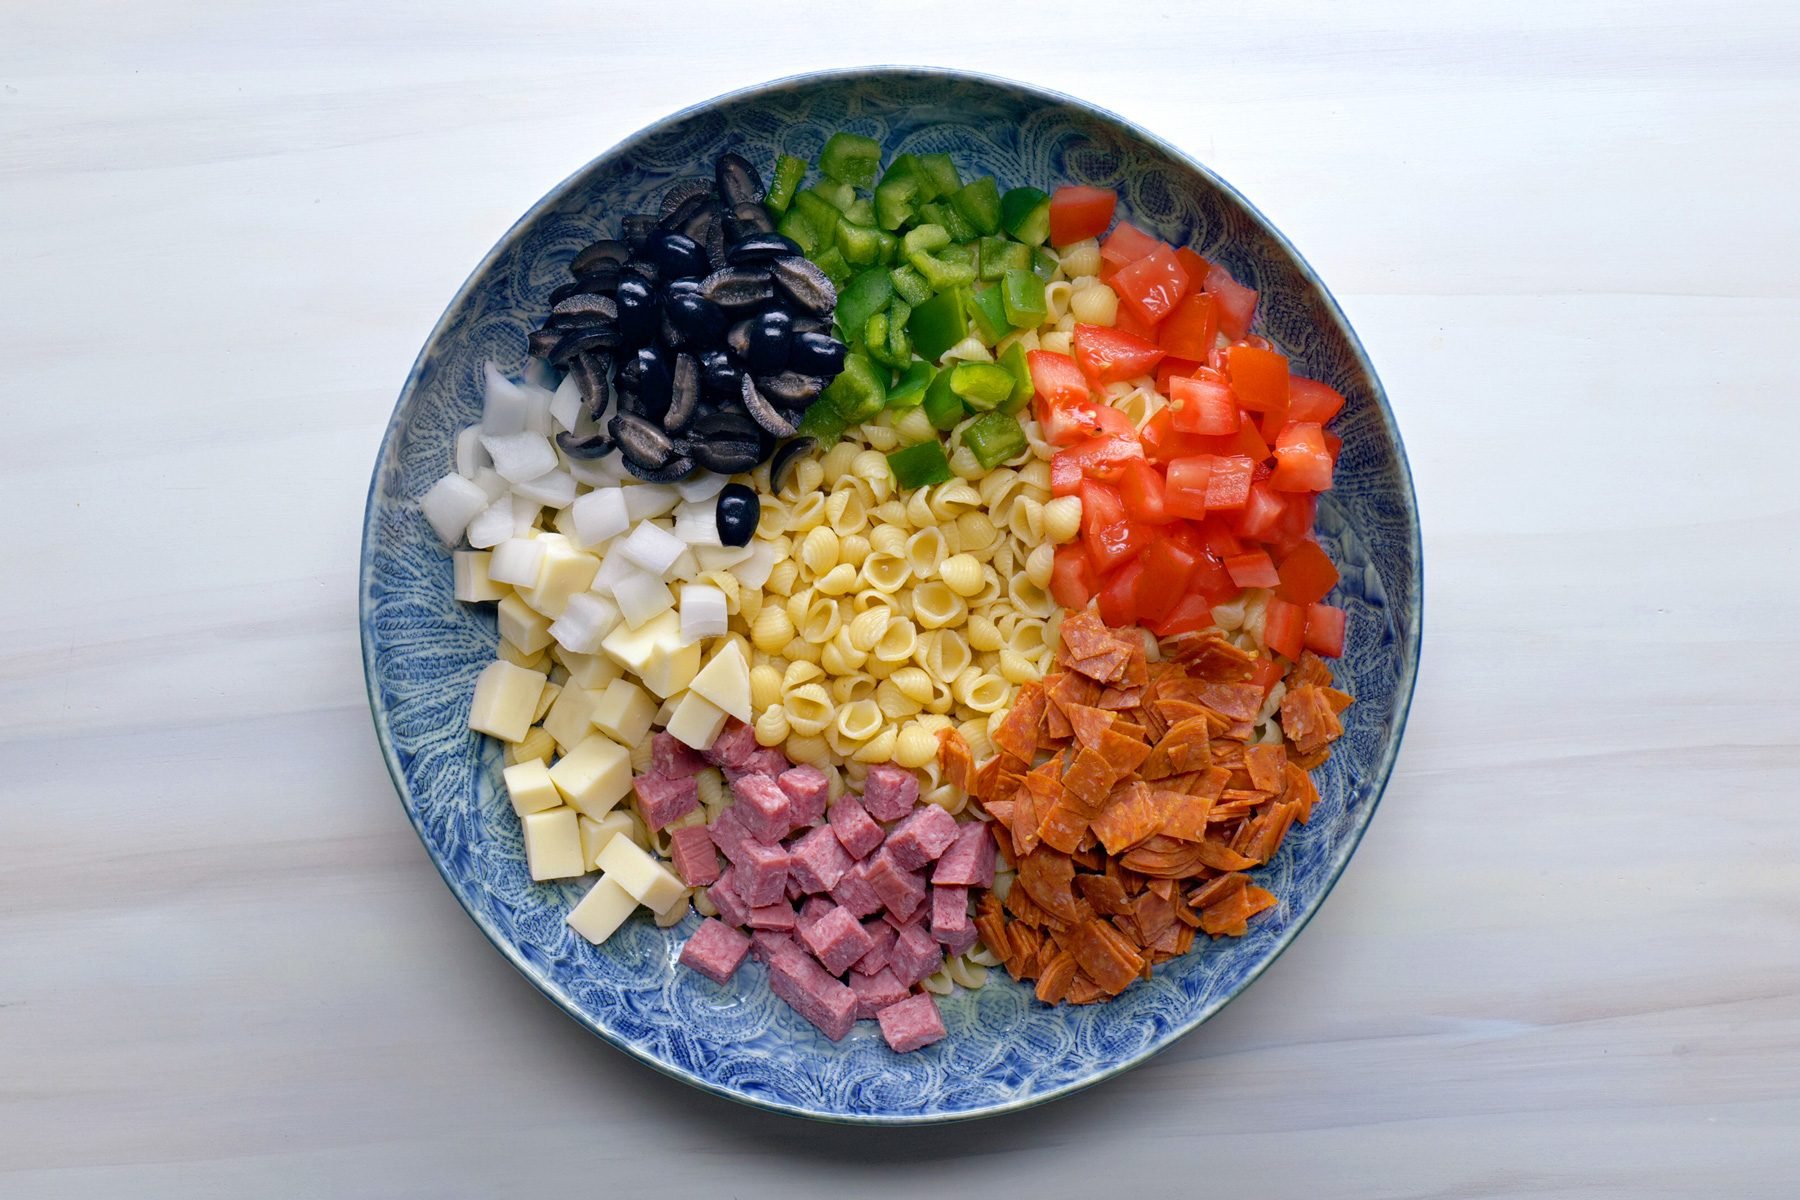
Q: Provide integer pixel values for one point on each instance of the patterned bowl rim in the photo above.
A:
(1403, 692)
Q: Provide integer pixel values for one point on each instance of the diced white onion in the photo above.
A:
(489, 481)
(597, 472)
(652, 547)
(505, 407)
(516, 561)
(641, 596)
(471, 456)
(600, 514)
(753, 572)
(450, 504)
(587, 619)
(492, 525)
(703, 612)
(721, 558)
(565, 403)
(553, 488)
(703, 486)
(614, 566)
(520, 456)
(650, 500)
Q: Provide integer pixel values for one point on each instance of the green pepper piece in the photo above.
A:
(978, 203)
(939, 274)
(1025, 213)
(851, 158)
(1043, 264)
(1000, 255)
(899, 343)
(1022, 293)
(789, 171)
(943, 407)
(896, 202)
(1019, 367)
(917, 466)
(958, 225)
(994, 437)
(861, 212)
(871, 339)
(859, 391)
(905, 166)
(960, 252)
(987, 315)
(859, 245)
(982, 386)
(836, 269)
(795, 226)
(889, 244)
(822, 421)
(909, 390)
(868, 293)
(909, 285)
(941, 172)
(938, 324)
(821, 213)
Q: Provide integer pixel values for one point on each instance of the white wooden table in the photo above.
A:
(1566, 961)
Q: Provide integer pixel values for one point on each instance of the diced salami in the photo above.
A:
(726, 898)
(901, 891)
(803, 983)
(882, 935)
(855, 828)
(949, 912)
(810, 791)
(673, 759)
(838, 939)
(818, 860)
(765, 760)
(921, 837)
(729, 835)
(715, 950)
(778, 916)
(696, 860)
(911, 1023)
(734, 746)
(915, 955)
(762, 874)
(969, 862)
(959, 943)
(767, 944)
(855, 892)
(665, 799)
(889, 792)
(814, 908)
(876, 992)
(762, 806)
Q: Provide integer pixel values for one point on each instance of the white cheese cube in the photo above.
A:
(553, 844)
(649, 882)
(703, 486)
(520, 456)
(537, 660)
(473, 583)
(721, 558)
(565, 572)
(552, 690)
(505, 407)
(595, 834)
(754, 570)
(672, 670)
(470, 455)
(696, 721)
(529, 786)
(585, 620)
(646, 500)
(641, 596)
(594, 776)
(565, 403)
(654, 653)
(601, 911)
(553, 488)
(591, 671)
(522, 626)
(623, 712)
(492, 525)
(652, 547)
(571, 719)
(600, 515)
(450, 504)
(505, 698)
(703, 613)
(726, 681)
(516, 561)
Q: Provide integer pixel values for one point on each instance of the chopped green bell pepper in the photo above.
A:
(836, 269)
(994, 438)
(1043, 264)
(943, 407)
(982, 386)
(909, 390)
(890, 247)
(823, 421)
(941, 172)
(789, 171)
(871, 339)
(938, 324)
(858, 244)
(1025, 213)
(1000, 255)
(839, 195)
(909, 285)
(868, 293)
(905, 166)
(795, 226)
(862, 212)
(851, 158)
(859, 391)
(1022, 293)
(917, 466)
(987, 315)
(978, 203)
(899, 342)
(1015, 362)
(820, 213)
(940, 274)
(896, 202)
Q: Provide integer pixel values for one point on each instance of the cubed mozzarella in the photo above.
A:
(649, 882)
(473, 583)
(623, 712)
(506, 696)
(528, 786)
(696, 721)
(523, 625)
(601, 912)
(725, 681)
(553, 844)
(594, 775)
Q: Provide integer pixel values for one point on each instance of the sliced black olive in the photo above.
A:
(591, 373)
(681, 193)
(738, 287)
(673, 471)
(684, 394)
(601, 253)
(759, 249)
(737, 338)
(790, 389)
(700, 224)
(700, 322)
(725, 425)
(737, 180)
(643, 268)
(804, 283)
(806, 324)
(782, 465)
(594, 445)
(815, 354)
(677, 254)
(728, 456)
(748, 220)
(718, 374)
(763, 413)
(585, 309)
(640, 441)
(768, 349)
(603, 336)
(654, 380)
(737, 514)
(604, 282)
(636, 299)
(543, 341)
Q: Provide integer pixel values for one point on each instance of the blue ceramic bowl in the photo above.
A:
(422, 650)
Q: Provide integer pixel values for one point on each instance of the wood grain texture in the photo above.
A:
(1566, 961)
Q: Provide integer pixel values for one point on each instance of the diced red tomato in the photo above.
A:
(1310, 400)
(1252, 569)
(1127, 244)
(1110, 536)
(1265, 673)
(1118, 595)
(1077, 213)
(1110, 355)
(1259, 377)
(1229, 484)
(1216, 535)
(1184, 491)
(1141, 487)
(1203, 406)
(1101, 503)
(1262, 510)
(1072, 579)
(1056, 376)
(1115, 423)
(1063, 407)
(1164, 443)
(1333, 444)
(1191, 614)
(1153, 285)
(1195, 266)
(1128, 321)
(1100, 458)
(1325, 630)
(1065, 475)
(1246, 441)
(1302, 463)
(1297, 515)
(1284, 627)
(1190, 330)
(1307, 574)
(1170, 369)
(1168, 566)
(1236, 303)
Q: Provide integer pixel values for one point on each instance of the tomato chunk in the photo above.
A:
(1193, 264)
(1259, 377)
(1171, 369)
(1102, 458)
(1168, 565)
(1229, 484)
(1191, 328)
(1077, 213)
(1153, 285)
(1062, 405)
(1072, 579)
(1118, 595)
(1310, 400)
(1265, 673)
(1302, 463)
(1284, 627)
(1163, 443)
(1203, 406)
(1110, 536)
(1184, 489)
(1262, 510)
(1112, 355)
(1252, 569)
(1325, 630)
(1307, 574)
(1236, 303)
(1141, 487)
(1191, 614)
(1127, 244)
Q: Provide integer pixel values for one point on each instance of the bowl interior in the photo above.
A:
(422, 649)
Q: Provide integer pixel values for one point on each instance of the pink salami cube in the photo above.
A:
(875, 992)
(855, 893)
(794, 890)
(665, 800)
(911, 1023)
(818, 860)
(803, 983)
(889, 792)
(762, 874)
(838, 939)
(734, 745)
(765, 944)
(808, 788)
(696, 860)
(914, 955)
(969, 862)
(949, 912)
(762, 806)
(883, 935)
(778, 916)
(901, 891)
(729, 835)
(920, 838)
(715, 950)
(814, 908)
(726, 898)
(674, 759)
(961, 942)
(855, 828)
(764, 760)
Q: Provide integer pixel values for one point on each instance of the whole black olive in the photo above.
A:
(737, 514)
(688, 286)
(655, 380)
(768, 342)
(677, 254)
(719, 376)
(700, 322)
(636, 299)
(815, 354)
